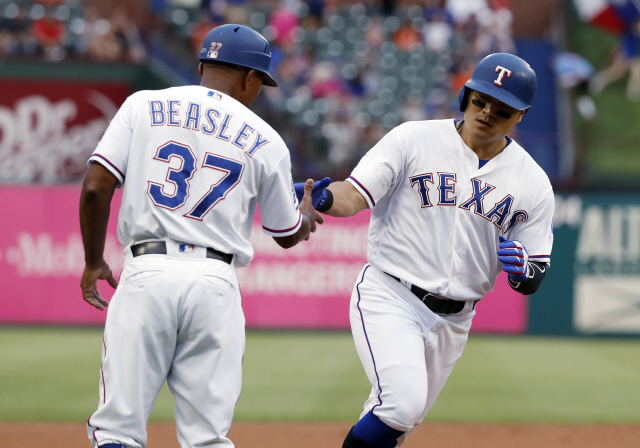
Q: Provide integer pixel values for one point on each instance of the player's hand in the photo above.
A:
(514, 258)
(306, 205)
(318, 194)
(89, 284)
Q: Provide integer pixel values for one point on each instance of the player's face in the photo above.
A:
(488, 119)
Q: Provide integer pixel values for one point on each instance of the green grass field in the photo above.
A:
(51, 374)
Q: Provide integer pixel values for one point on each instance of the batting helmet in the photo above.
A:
(239, 45)
(505, 77)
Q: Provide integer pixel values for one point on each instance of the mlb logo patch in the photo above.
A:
(215, 95)
(187, 248)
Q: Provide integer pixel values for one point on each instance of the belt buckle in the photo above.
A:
(430, 294)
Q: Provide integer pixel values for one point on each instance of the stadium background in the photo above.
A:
(348, 71)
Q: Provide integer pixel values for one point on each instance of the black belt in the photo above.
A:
(160, 247)
(436, 304)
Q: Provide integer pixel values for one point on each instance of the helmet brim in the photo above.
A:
(498, 93)
(268, 80)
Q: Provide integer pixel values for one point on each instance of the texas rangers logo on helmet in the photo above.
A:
(213, 51)
(503, 71)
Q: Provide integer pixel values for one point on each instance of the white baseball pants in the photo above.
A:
(178, 319)
(407, 351)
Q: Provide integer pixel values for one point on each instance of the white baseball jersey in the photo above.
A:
(196, 162)
(436, 222)
(437, 217)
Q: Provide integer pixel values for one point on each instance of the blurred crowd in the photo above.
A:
(55, 30)
(348, 70)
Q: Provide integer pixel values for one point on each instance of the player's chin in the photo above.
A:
(484, 133)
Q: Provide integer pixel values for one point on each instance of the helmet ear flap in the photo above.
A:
(463, 97)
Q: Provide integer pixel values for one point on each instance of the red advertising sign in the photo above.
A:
(306, 287)
(48, 129)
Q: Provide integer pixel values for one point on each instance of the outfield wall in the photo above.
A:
(593, 286)
(309, 286)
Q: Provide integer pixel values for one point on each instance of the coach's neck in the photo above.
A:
(241, 84)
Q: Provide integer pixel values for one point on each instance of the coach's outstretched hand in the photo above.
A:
(309, 217)
(318, 194)
(89, 284)
(514, 258)
(307, 205)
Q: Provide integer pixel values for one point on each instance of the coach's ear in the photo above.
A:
(250, 77)
(201, 69)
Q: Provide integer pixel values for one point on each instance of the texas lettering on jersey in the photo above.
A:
(428, 197)
(498, 214)
(208, 121)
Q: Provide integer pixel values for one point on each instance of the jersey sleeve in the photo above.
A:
(377, 170)
(112, 151)
(279, 208)
(536, 233)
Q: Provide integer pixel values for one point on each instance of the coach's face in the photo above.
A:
(488, 119)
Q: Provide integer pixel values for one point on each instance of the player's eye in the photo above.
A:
(482, 105)
(478, 103)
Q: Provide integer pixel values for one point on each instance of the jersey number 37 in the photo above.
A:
(180, 178)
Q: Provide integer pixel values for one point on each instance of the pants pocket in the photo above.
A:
(137, 276)
(222, 283)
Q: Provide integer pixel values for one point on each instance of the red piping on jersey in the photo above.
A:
(109, 162)
(365, 190)
(285, 230)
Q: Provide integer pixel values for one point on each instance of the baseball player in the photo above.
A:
(194, 162)
(453, 202)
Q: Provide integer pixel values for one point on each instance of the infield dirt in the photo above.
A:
(328, 435)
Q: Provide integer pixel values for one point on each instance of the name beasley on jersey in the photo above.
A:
(498, 214)
(169, 115)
